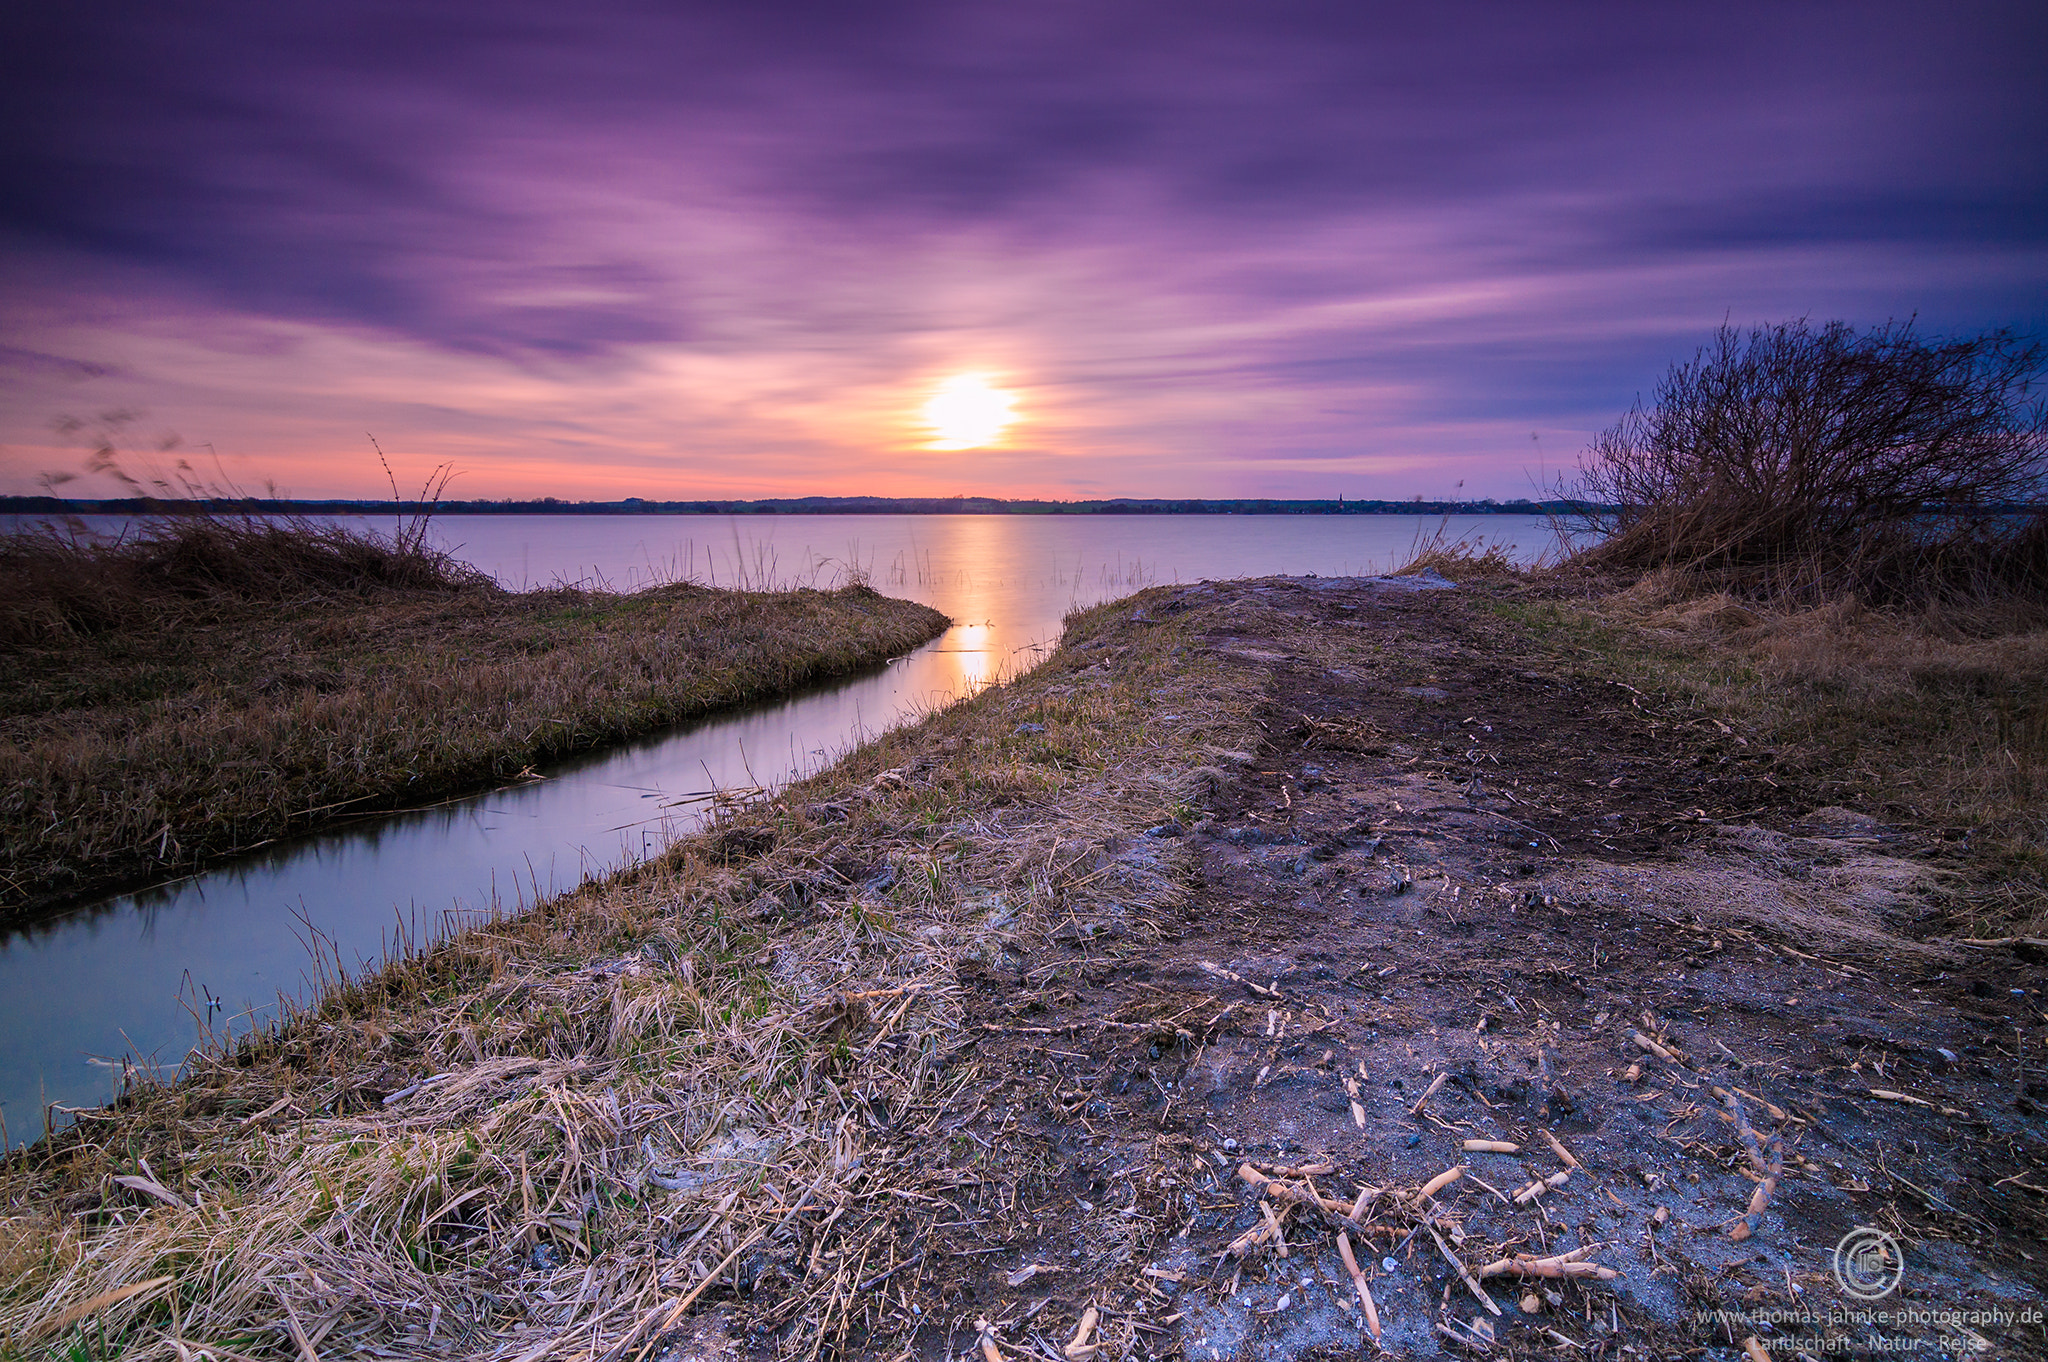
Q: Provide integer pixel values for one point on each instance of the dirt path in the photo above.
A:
(1461, 896)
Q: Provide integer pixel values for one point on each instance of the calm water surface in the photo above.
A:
(142, 977)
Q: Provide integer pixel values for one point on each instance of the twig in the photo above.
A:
(1559, 1149)
(1439, 1182)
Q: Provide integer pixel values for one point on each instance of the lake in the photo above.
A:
(141, 978)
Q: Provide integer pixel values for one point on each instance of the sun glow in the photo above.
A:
(966, 413)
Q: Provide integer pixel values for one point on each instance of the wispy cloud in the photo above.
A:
(727, 249)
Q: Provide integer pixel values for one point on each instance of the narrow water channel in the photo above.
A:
(138, 979)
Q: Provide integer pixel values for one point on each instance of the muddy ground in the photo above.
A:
(1577, 922)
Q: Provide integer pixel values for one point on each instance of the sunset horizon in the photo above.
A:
(693, 254)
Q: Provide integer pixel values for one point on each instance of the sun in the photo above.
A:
(966, 413)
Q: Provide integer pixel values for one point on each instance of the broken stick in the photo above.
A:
(1559, 1150)
(1273, 1223)
(1654, 1048)
(1768, 1169)
(1439, 1182)
(1542, 1185)
(1520, 1266)
(1372, 1312)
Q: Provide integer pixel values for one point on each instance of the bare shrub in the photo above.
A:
(1800, 458)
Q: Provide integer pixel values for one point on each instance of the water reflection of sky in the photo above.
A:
(139, 974)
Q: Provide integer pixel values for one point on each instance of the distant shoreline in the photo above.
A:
(791, 506)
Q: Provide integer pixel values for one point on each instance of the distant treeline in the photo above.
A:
(794, 506)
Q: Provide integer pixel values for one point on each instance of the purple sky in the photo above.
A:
(1289, 249)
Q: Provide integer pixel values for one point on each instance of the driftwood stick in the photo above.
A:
(1542, 1185)
(1517, 1267)
(1336, 1213)
(1769, 1165)
(1273, 1222)
(1670, 1056)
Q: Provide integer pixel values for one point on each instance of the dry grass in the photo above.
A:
(740, 1070)
(732, 1091)
(58, 584)
(1976, 564)
(1459, 559)
(220, 702)
(1935, 717)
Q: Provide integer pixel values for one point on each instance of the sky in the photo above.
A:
(1301, 248)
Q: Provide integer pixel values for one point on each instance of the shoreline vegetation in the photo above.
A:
(214, 683)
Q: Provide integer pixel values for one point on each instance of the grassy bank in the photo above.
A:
(213, 686)
(650, 1077)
